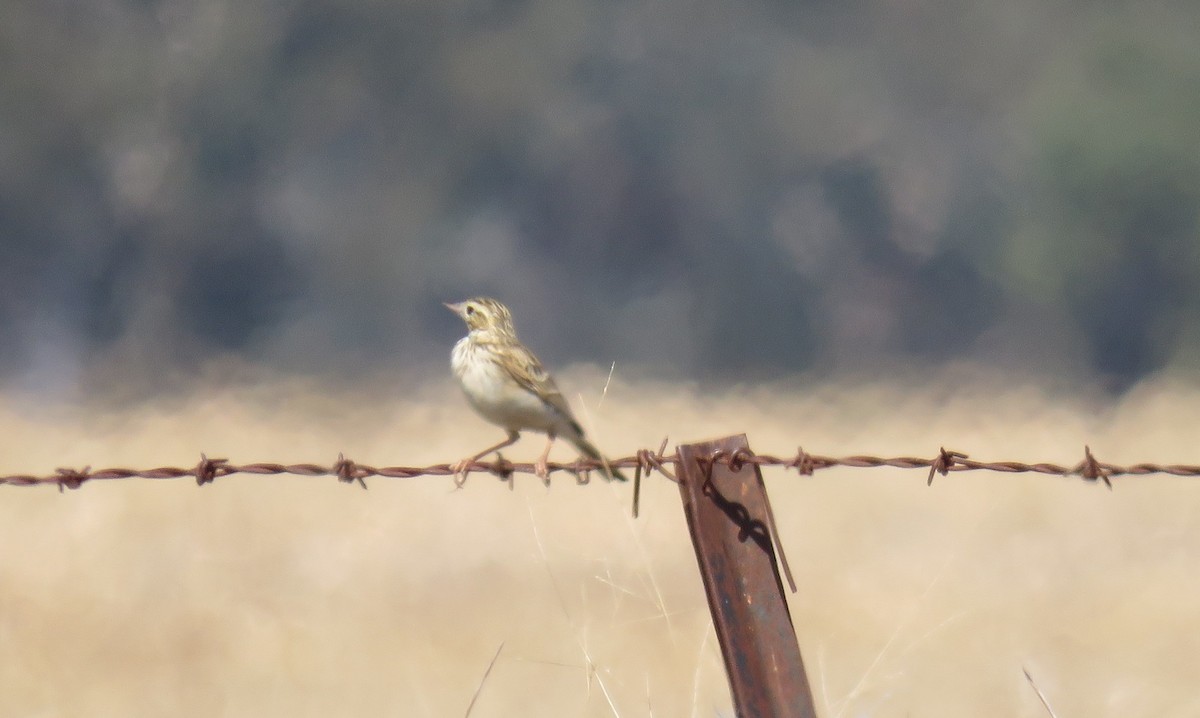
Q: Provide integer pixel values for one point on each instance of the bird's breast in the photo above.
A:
(495, 394)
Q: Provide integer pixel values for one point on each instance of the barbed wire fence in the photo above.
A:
(643, 462)
(729, 517)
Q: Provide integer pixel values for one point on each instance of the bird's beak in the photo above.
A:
(456, 308)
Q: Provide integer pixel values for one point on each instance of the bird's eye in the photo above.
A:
(470, 309)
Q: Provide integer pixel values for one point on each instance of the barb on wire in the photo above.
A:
(643, 462)
(943, 463)
(1091, 469)
(206, 470)
(647, 461)
(802, 463)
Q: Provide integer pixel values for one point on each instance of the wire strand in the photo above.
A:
(644, 460)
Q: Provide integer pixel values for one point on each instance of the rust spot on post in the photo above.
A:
(728, 519)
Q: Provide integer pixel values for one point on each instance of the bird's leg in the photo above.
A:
(539, 467)
(462, 467)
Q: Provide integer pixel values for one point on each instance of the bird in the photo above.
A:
(507, 385)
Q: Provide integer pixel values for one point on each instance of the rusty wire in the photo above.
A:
(643, 462)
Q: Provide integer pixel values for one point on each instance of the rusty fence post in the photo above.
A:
(728, 518)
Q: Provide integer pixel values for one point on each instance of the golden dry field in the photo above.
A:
(293, 596)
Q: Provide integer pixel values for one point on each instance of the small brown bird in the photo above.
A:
(508, 386)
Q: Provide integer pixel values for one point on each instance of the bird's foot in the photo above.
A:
(461, 469)
(542, 470)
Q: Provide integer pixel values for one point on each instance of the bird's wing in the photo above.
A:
(526, 370)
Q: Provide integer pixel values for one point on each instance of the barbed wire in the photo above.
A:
(643, 462)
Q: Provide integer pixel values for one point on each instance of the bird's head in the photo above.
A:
(484, 314)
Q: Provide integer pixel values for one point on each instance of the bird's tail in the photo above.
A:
(585, 447)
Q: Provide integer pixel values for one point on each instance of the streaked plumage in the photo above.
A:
(507, 384)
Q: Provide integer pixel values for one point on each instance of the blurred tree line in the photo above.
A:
(736, 190)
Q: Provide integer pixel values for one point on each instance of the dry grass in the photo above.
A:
(304, 597)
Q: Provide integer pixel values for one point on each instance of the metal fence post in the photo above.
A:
(727, 517)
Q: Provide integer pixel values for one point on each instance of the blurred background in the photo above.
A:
(718, 191)
(868, 226)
